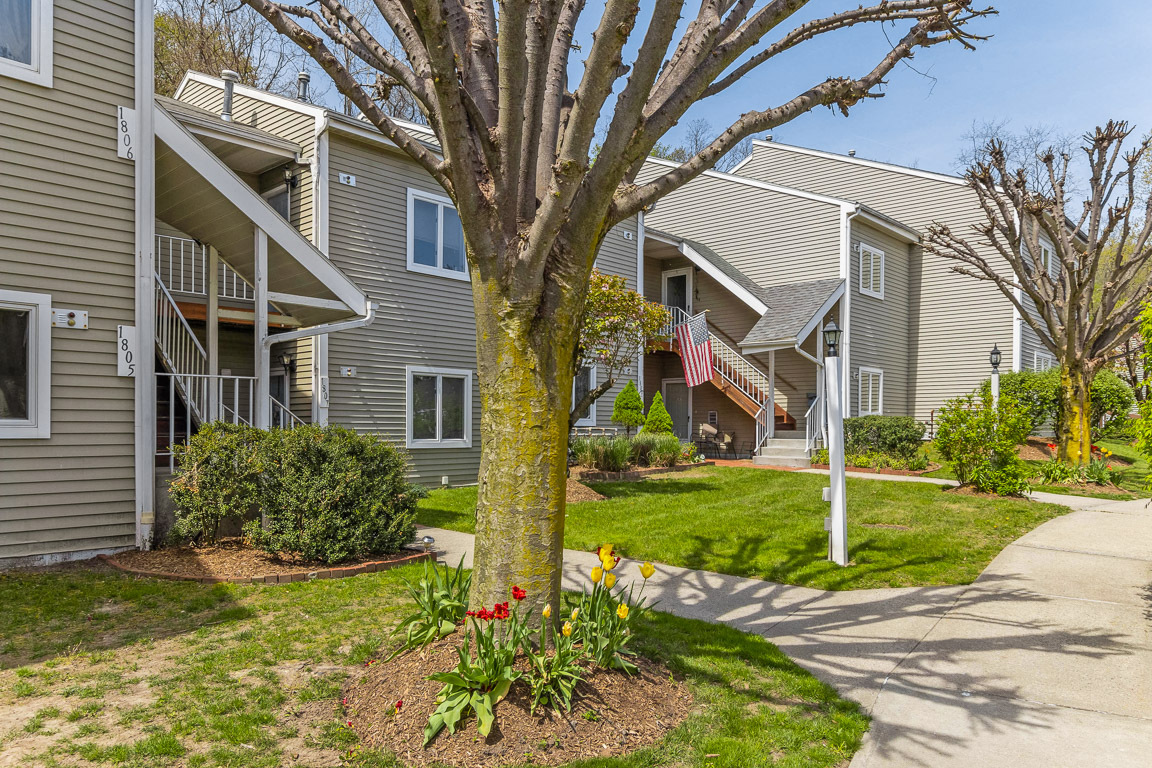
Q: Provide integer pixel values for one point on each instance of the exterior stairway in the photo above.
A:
(787, 448)
(744, 384)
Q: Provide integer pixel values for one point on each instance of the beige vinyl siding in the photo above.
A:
(954, 319)
(771, 237)
(67, 214)
(880, 327)
(275, 119)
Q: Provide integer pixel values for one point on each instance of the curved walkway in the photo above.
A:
(1044, 662)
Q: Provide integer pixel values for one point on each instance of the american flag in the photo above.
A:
(695, 349)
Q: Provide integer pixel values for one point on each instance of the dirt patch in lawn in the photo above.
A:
(232, 557)
(578, 492)
(612, 714)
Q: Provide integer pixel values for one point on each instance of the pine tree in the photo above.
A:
(658, 421)
(628, 409)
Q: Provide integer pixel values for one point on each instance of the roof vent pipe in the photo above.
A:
(302, 86)
(230, 79)
(768, 137)
(851, 153)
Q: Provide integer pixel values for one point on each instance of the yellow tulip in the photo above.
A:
(647, 570)
(596, 574)
(547, 611)
(604, 551)
(622, 611)
(609, 580)
(567, 629)
(575, 613)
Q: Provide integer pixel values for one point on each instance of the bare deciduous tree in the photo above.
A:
(1087, 299)
(514, 157)
(697, 136)
(214, 35)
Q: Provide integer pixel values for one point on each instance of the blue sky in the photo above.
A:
(1063, 63)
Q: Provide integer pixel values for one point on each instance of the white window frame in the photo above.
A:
(443, 202)
(39, 72)
(1048, 358)
(423, 370)
(590, 419)
(872, 253)
(862, 409)
(38, 425)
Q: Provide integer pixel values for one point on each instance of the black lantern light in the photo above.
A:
(994, 358)
(288, 363)
(832, 338)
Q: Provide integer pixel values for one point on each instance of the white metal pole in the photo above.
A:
(838, 535)
(995, 387)
(772, 394)
(263, 405)
(213, 330)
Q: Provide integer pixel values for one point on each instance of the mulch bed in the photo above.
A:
(630, 475)
(612, 714)
(1036, 449)
(578, 492)
(231, 560)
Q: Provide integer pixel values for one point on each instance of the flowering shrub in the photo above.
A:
(601, 620)
(479, 684)
(441, 599)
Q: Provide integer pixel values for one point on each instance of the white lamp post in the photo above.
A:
(994, 358)
(838, 531)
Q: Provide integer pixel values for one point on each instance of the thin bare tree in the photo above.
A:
(1084, 299)
(514, 157)
(213, 35)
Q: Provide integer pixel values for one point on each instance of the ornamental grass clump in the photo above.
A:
(602, 619)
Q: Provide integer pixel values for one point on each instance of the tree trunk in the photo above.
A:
(525, 346)
(1075, 428)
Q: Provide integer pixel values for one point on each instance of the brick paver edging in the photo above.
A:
(278, 578)
(629, 475)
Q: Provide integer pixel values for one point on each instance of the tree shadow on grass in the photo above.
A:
(91, 607)
(651, 487)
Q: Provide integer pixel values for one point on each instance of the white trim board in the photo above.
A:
(689, 285)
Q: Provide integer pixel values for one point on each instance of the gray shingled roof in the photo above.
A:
(791, 307)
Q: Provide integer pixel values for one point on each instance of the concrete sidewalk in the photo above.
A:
(1044, 662)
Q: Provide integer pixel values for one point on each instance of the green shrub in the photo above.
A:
(606, 454)
(628, 408)
(979, 443)
(658, 421)
(820, 456)
(1037, 394)
(1111, 402)
(1057, 472)
(665, 451)
(330, 494)
(642, 445)
(217, 477)
(898, 436)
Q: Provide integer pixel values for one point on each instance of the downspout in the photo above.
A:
(848, 213)
(317, 330)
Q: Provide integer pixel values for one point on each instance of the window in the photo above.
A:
(25, 365)
(435, 237)
(280, 198)
(871, 271)
(439, 407)
(584, 383)
(871, 391)
(26, 40)
(1042, 361)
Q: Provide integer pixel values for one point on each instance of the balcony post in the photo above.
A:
(262, 411)
(772, 394)
(212, 286)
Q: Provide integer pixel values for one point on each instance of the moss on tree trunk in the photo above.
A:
(1075, 428)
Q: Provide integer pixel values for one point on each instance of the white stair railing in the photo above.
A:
(233, 402)
(738, 371)
(182, 265)
(181, 352)
(814, 426)
(282, 417)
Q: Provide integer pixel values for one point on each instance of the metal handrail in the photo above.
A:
(813, 431)
(190, 274)
(228, 404)
(278, 419)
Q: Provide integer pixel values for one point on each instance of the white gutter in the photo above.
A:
(819, 364)
(319, 330)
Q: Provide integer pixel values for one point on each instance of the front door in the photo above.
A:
(677, 289)
(678, 401)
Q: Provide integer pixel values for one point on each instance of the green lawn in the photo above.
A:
(768, 524)
(99, 668)
(1132, 478)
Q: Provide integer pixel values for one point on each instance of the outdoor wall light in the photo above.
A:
(288, 363)
(289, 179)
(832, 338)
(994, 358)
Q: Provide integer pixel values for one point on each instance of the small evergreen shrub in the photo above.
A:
(658, 422)
(330, 494)
(628, 408)
(217, 477)
(897, 436)
(979, 443)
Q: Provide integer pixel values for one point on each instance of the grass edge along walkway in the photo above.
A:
(768, 525)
